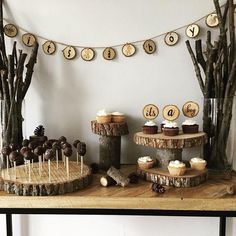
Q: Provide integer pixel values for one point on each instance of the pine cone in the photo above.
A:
(157, 188)
(39, 131)
(133, 178)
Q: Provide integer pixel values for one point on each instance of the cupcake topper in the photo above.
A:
(171, 112)
(190, 109)
(150, 111)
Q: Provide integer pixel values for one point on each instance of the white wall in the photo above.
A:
(65, 95)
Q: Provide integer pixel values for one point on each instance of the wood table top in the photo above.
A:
(209, 196)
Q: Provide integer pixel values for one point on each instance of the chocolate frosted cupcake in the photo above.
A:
(171, 128)
(150, 127)
(190, 127)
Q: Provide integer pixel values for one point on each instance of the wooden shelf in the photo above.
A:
(208, 196)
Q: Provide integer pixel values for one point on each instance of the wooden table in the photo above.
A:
(208, 199)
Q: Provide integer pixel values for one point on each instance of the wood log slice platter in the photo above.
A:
(190, 179)
(40, 186)
(109, 129)
(174, 142)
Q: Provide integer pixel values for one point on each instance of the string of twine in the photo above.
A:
(120, 44)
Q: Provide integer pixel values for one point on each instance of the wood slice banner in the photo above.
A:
(190, 179)
(28, 39)
(41, 186)
(49, 47)
(150, 111)
(10, 30)
(69, 52)
(192, 31)
(149, 46)
(190, 109)
(170, 112)
(128, 49)
(109, 53)
(212, 20)
(171, 38)
(87, 54)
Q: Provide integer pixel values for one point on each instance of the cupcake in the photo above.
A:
(170, 128)
(117, 117)
(103, 117)
(163, 123)
(176, 168)
(145, 162)
(190, 127)
(198, 163)
(150, 127)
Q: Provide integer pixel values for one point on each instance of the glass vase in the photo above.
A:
(219, 122)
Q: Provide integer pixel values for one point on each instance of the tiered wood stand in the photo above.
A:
(170, 148)
(59, 184)
(109, 142)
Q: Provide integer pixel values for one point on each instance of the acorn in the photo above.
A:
(49, 154)
(75, 143)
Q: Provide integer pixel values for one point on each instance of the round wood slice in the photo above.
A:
(69, 52)
(28, 39)
(150, 112)
(171, 38)
(40, 186)
(190, 109)
(192, 31)
(179, 141)
(109, 53)
(212, 20)
(49, 47)
(128, 49)
(109, 129)
(87, 54)
(190, 179)
(149, 46)
(10, 30)
(170, 112)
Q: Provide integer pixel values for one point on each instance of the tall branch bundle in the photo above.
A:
(14, 84)
(216, 73)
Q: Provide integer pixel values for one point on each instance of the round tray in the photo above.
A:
(59, 183)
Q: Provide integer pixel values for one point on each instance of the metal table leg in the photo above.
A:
(9, 224)
(222, 226)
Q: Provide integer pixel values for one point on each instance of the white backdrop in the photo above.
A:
(65, 95)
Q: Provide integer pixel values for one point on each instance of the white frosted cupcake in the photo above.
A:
(198, 163)
(190, 126)
(170, 128)
(150, 127)
(176, 168)
(145, 162)
(103, 116)
(117, 117)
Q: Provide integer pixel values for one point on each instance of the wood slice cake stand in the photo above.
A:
(59, 184)
(109, 142)
(170, 147)
(190, 179)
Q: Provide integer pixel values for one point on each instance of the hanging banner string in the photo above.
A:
(115, 45)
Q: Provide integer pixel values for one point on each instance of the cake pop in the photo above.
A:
(67, 152)
(75, 143)
(13, 147)
(81, 149)
(33, 144)
(62, 139)
(25, 142)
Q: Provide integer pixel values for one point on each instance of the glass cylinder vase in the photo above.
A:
(219, 122)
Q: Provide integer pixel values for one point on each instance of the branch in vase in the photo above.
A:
(199, 54)
(231, 34)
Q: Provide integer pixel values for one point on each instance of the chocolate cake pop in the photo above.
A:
(14, 156)
(49, 154)
(67, 152)
(66, 145)
(25, 142)
(39, 151)
(56, 147)
(33, 144)
(23, 150)
(28, 155)
(62, 139)
(47, 145)
(75, 143)
(6, 150)
(13, 147)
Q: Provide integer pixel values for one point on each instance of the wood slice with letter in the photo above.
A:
(171, 112)
(149, 46)
(190, 109)
(192, 31)
(69, 52)
(28, 39)
(212, 20)
(49, 47)
(171, 38)
(10, 30)
(128, 49)
(150, 112)
(109, 53)
(87, 54)
(190, 179)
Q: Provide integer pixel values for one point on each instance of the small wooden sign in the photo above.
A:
(190, 109)
(149, 46)
(109, 53)
(212, 20)
(171, 112)
(128, 49)
(69, 52)
(171, 38)
(192, 31)
(87, 54)
(150, 111)
(28, 39)
(10, 30)
(49, 47)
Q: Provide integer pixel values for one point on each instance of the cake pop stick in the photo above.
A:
(75, 143)
(67, 152)
(81, 149)
(13, 157)
(49, 154)
(38, 151)
(28, 155)
(65, 145)
(29, 171)
(6, 152)
(56, 147)
(14, 169)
